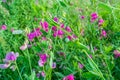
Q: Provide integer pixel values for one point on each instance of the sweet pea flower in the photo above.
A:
(10, 57)
(31, 36)
(23, 47)
(94, 16)
(54, 28)
(104, 33)
(43, 59)
(55, 34)
(35, 33)
(69, 37)
(68, 29)
(60, 32)
(55, 19)
(100, 22)
(116, 53)
(62, 25)
(43, 74)
(80, 65)
(82, 17)
(3, 27)
(44, 26)
(69, 77)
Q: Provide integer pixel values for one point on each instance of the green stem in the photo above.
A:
(29, 61)
(18, 71)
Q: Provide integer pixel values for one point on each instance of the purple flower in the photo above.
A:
(68, 29)
(43, 59)
(31, 36)
(54, 28)
(44, 26)
(69, 77)
(80, 65)
(3, 27)
(11, 56)
(54, 65)
(94, 16)
(55, 19)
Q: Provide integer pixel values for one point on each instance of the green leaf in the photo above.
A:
(59, 74)
(88, 75)
(104, 9)
(32, 76)
(62, 4)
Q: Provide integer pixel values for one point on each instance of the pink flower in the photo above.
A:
(62, 25)
(80, 65)
(103, 33)
(23, 47)
(43, 74)
(69, 37)
(55, 19)
(100, 22)
(116, 53)
(54, 28)
(68, 29)
(82, 17)
(44, 26)
(94, 16)
(69, 77)
(55, 34)
(43, 59)
(60, 32)
(3, 27)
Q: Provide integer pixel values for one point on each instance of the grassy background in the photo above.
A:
(21, 14)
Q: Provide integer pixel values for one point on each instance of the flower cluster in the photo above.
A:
(34, 34)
